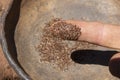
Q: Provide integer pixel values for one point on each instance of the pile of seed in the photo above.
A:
(53, 47)
(65, 31)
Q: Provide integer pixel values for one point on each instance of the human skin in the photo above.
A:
(102, 34)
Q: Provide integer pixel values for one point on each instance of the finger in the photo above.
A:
(114, 65)
(99, 33)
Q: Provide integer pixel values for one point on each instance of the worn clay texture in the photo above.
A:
(6, 71)
(30, 30)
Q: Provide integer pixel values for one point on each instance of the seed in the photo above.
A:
(65, 31)
(54, 46)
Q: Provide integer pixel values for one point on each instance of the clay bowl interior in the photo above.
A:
(24, 28)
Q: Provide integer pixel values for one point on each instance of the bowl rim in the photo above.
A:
(4, 46)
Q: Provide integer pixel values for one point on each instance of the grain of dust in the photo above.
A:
(54, 49)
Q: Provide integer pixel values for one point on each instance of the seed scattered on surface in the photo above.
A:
(65, 31)
(54, 48)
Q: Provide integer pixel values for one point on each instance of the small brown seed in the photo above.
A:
(65, 31)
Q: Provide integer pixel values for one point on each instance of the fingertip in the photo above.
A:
(114, 65)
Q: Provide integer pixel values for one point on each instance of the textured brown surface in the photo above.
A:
(6, 72)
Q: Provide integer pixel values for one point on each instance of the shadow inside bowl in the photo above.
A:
(10, 25)
(92, 57)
